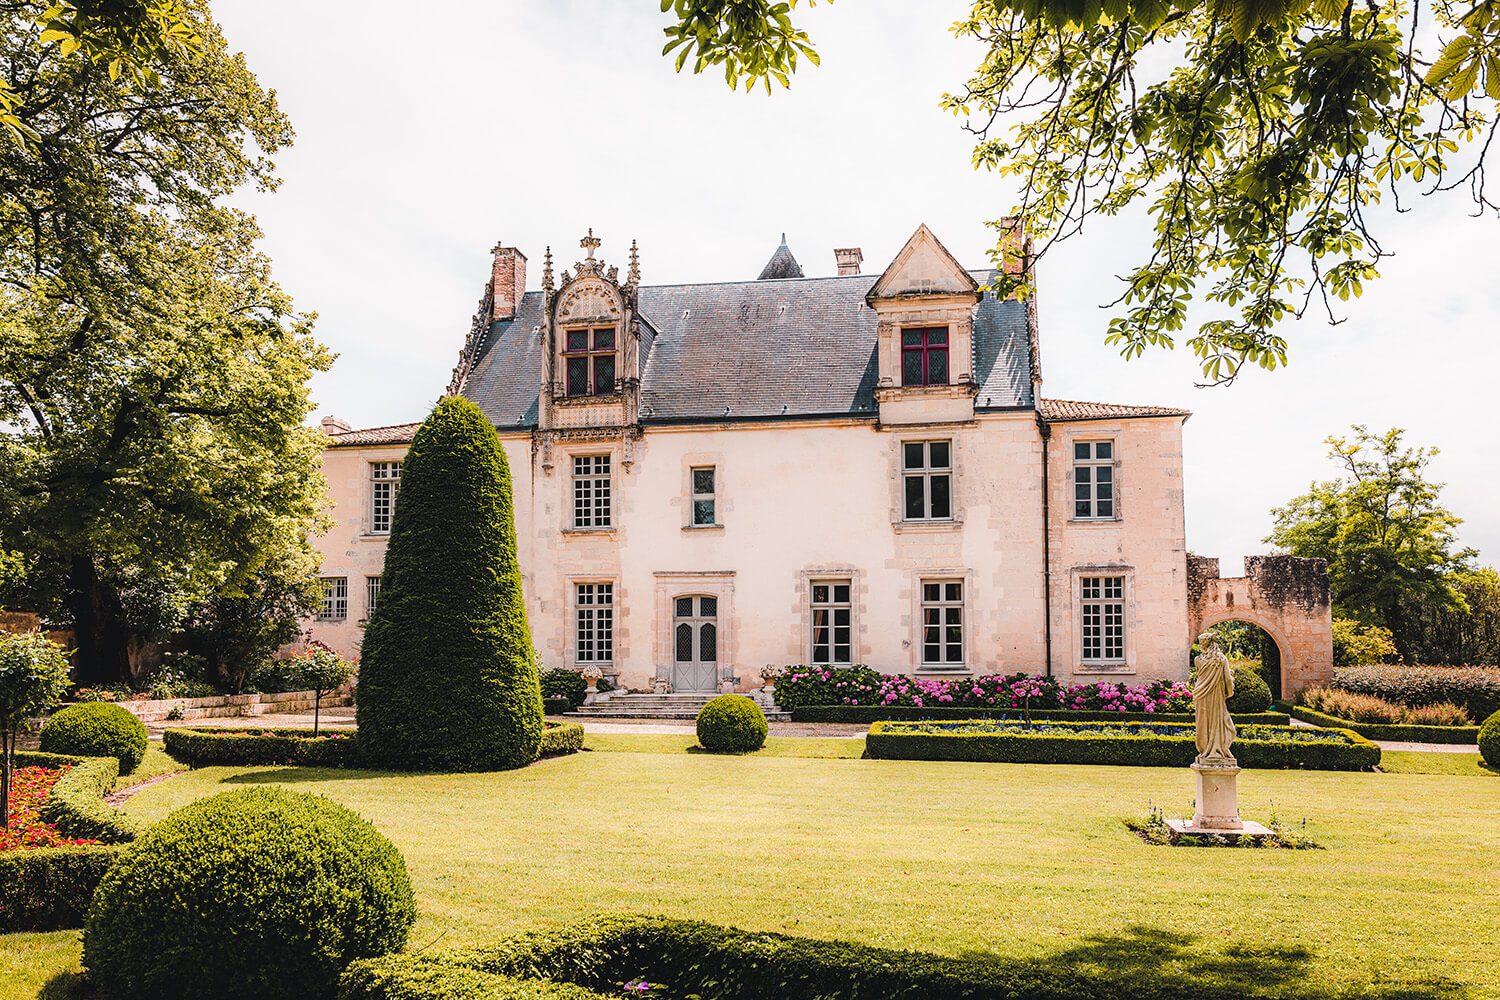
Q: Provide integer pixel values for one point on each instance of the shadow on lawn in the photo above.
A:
(294, 775)
(1176, 963)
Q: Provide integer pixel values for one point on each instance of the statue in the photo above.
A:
(1212, 689)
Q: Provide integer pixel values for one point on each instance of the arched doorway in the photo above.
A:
(695, 643)
(1247, 643)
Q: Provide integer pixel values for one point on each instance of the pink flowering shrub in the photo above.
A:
(801, 686)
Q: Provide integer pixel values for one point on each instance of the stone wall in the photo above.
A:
(1285, 595)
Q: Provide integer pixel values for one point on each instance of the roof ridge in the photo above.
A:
(380, 427)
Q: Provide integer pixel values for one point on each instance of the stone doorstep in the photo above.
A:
(231, 705)
(1248, 828)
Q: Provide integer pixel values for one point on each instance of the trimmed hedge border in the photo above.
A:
(866, 714)
(886, 741)
(203, 747)
(76, 805)
(689, 958)
(50, 888)
(1383, 731)
(557, 706)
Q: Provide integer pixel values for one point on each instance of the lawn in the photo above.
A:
(806, 838)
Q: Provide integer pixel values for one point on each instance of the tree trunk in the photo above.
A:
(7, 751)
(101, 642)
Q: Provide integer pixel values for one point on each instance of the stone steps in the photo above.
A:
(658, 706)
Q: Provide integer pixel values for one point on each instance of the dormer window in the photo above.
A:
(924, 355)
(589, 354)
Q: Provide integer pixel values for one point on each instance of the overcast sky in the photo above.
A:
(423, 141)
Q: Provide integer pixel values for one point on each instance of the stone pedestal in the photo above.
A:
(1218, 799)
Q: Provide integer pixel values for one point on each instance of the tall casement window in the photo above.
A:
(705, 498)
(589, 357)
(385, 483)
(372, 594)
(1093, 480)
(831, 622)
(927, 468)
(335, 605)
(591, 507)
(942, 623)
(596, 623)
(1102, 614)
(924, 355)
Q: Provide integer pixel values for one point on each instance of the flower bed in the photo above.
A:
(299, 747)
(1396, 732)
(1476, 689)
(860, 686)
(28, 792)
(1147, 744)
(867, 714)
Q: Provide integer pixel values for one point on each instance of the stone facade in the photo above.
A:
(807, 520)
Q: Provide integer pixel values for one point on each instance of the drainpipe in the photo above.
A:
(1045, 430)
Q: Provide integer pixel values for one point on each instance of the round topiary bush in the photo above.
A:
(97, 729)
(732, 723)
(1251, 693)
(260, 892)
(1489, 741)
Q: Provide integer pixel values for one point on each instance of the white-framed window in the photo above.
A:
(372, 594)
(705, 495)
(1093, 480)
(927, 486)
(1102, 618)
(942, 623)
(591, 494)
(385, 483)
(595, 623)
(335, 598)
(832, 622)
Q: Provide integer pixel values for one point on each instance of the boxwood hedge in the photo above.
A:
(76, 805)
(1129, 743)
(412, 978)
(205, 747)
(690, 959)
(97, 729)
(1388, 731)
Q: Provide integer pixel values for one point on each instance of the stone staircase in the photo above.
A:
(659, 706)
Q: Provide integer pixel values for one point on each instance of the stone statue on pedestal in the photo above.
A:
(1212, 690)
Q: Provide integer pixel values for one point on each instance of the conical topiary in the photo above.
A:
(446, 680)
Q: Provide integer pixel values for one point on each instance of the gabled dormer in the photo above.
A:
(592, 373)
(924, 306)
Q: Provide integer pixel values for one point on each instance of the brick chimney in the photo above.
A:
(1015, 244)
(848, 259)
(333, 425)
(508, 283)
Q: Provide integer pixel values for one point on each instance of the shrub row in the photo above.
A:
(97, 729)
(1369, 708)
(1128, 743)
(76, 805)
(556, 706)
(298, 747)
(50, 889)
(1381, 731)
(410, 977)
(867, 714)
(1489, 741)
(688, 958)
(1477, 689)
(206, 747)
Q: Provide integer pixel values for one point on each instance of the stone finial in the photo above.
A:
(547, 272)
(590, 243)
(633, 276)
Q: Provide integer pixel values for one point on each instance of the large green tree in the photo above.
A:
(1256, 134)
(446, 676)
(153, 377)
(1445, 632)
(1389, 541)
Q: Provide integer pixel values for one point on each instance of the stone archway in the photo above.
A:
(1284, 595)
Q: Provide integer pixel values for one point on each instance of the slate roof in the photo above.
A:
(393, 434)
(782, 264)
(1064, 410)
(791, 347)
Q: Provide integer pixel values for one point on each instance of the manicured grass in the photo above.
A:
(776, 746)
(1021, 860)
(1428, 762)
(156, 763)
(41, 966)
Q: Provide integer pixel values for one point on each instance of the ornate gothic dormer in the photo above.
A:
(924, 305)
(591, 379)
